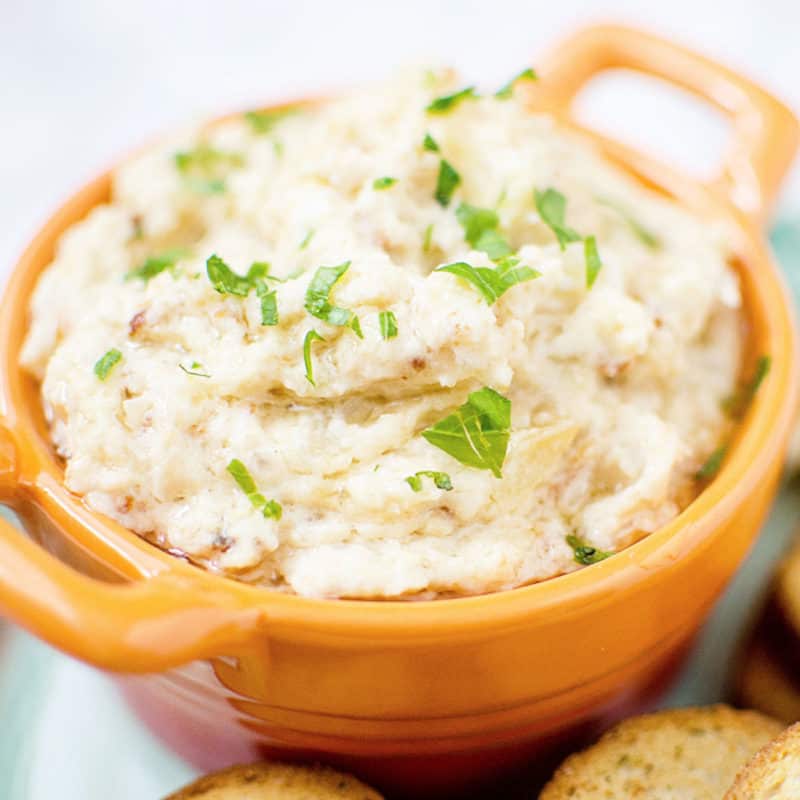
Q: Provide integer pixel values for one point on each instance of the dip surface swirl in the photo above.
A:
(252, 355)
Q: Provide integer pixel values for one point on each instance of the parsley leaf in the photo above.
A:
(269, 303)
(430, 144)
(713, 464)
(643, 234)
(426, 238)
(446, 183)
(310, 337)
(388, 323)
(584, 553)
(738, 403)
(204, 157)
(318, 299)
(269, 508)
(155, 265)
(193, 370)
(508, 90)
(480, 230)
(477, 433)
(226, 281)
(552, 208)
(593, 262)
(383, 183)
(441, 105)
(262, 122)
(440, 479)
(106, 363)
(492, 283)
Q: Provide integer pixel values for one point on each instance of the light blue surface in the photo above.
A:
(66, 732)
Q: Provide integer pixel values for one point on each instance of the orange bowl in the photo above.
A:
(427, 696)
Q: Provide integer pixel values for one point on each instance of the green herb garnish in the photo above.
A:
(306, 239)
(271, 509)
(388, 323)
(311, 336)
(508, 90)
(739, 402)
(155, 265)
(440, 479)
(712, 465)
(262, 122)
(318, 299)
(204, 158)
(492, 283)
(205, 185)
(269, 303)
(226, 281)
(441, 105)
(552, 208)
(426, 238)
(645, 235)
(430, 144)
(446, 183)
(106, 363)
(477, 433)
(480, 230)
(593, 262)
(383, 183)
(584, 553)
(194, 370)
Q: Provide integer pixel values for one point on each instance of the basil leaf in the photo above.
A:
(262, 122)
(480, 230)
(383, 183)
(440, 479)
(593, 262)
(712, 464)
(492, 283)
(106, 363)
(584, 553)
(739, 402)
(477, 433)
(388, 323)
(269, 508)
(441, 105)
(430, 144)
(508, 90)
(310, 337)
(552, 208)
(155, 265)
(269, 303)
(318, 299)
(446, 183)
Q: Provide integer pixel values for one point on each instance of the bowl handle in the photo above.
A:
(151, 624)
(765, 132)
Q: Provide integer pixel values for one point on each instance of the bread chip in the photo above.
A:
(272, 781)
(773, 773)
(679, 754)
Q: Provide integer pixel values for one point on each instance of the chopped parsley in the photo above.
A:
(508, 90)
(426, 238)
(311, 336)
(383, 183)
(194, 370)
(480, 230)
(262, 122)
(269, 303)
(643, 234)
(713, 464)
(584, 553)
(739, 402)
(492, 283)
(318, 299)
(201, 167)
(440, 479)
(446, 183)
(388, 323)
(106, 363)
(430, 144)
(552, 208)
(271, 509)
(441, 105)
(205, 185)
(306, 239)
(593, 262)
(226, 281)
(155, 265)
(477, 433)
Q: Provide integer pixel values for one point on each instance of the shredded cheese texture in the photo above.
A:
(615, 375)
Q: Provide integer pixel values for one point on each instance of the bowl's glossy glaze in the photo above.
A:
(427, 696)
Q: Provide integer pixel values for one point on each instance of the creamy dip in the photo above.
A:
(387, 428)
